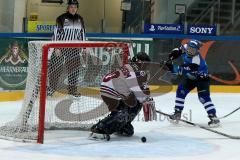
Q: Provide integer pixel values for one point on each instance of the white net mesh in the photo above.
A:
(73, 79)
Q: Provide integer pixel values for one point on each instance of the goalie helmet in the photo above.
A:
(141, 56)
(73, 2)
(192, 47)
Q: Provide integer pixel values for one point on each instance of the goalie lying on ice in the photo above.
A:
(125, 92)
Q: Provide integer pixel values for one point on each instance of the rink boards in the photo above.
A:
(18, 95)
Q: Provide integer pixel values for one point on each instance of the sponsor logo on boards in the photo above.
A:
(13, 66)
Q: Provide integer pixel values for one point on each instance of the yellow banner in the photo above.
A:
(41, 26)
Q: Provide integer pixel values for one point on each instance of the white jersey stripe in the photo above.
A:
(208, 103)
(179, 104)
(105, 88)
(110, 91)
(180, 99)
(210, 108)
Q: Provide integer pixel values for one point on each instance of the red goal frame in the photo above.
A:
(43, 85)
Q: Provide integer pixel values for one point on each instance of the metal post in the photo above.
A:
(212, 15)
(143, 21)
(124, 17)
(233, 11)
(218, 19)
(103, 22)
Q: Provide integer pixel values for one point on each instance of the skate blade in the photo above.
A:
(97, 136)
(214, 125)
(174, 121)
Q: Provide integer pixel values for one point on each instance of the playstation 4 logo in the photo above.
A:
(163, 28)
(152, 28)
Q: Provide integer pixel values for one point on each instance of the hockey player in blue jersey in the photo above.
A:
(194, 72)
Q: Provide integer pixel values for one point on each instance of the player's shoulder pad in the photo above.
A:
(175, 49)
(196, 59)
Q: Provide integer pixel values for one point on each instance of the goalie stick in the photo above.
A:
(202, 127)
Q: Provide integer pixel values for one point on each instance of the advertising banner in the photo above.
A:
(14, 58)
(135, 44)
(41, 26)
(221, 56)
(13, 63)
(205, 30)
(164, 28)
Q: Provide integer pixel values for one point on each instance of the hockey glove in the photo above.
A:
(202, 76)
(191, 76)
(169, 65)
(149, 110)
(175, 69)
(175, 53)
(197, 75)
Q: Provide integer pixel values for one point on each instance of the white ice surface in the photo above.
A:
(165, 141)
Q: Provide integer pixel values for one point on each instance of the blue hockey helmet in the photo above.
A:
(192, 47)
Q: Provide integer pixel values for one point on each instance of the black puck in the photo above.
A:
(143, 139)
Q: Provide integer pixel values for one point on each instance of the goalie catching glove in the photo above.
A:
(149, 110)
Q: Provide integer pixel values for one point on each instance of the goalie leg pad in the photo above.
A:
(149, 110)
(111, 123)
(118, 121)
(127, 130)
(133, 112)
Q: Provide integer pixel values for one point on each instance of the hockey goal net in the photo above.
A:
(62, 90)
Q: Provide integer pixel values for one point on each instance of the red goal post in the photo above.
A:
(31, 122)
(43, 85)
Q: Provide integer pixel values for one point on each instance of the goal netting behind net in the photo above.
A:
(62, 90)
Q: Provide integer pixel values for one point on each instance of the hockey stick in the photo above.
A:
(159, 70)
(229, 113)
(203, 127)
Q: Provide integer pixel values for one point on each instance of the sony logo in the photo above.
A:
(201, 30)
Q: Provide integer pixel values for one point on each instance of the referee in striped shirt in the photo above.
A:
(70, 27)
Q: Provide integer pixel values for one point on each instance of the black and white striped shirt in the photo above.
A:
(69, 28)
(69, 34)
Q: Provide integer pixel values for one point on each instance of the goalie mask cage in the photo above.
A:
(62, 90)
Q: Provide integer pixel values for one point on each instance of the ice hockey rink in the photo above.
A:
(165, 141)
